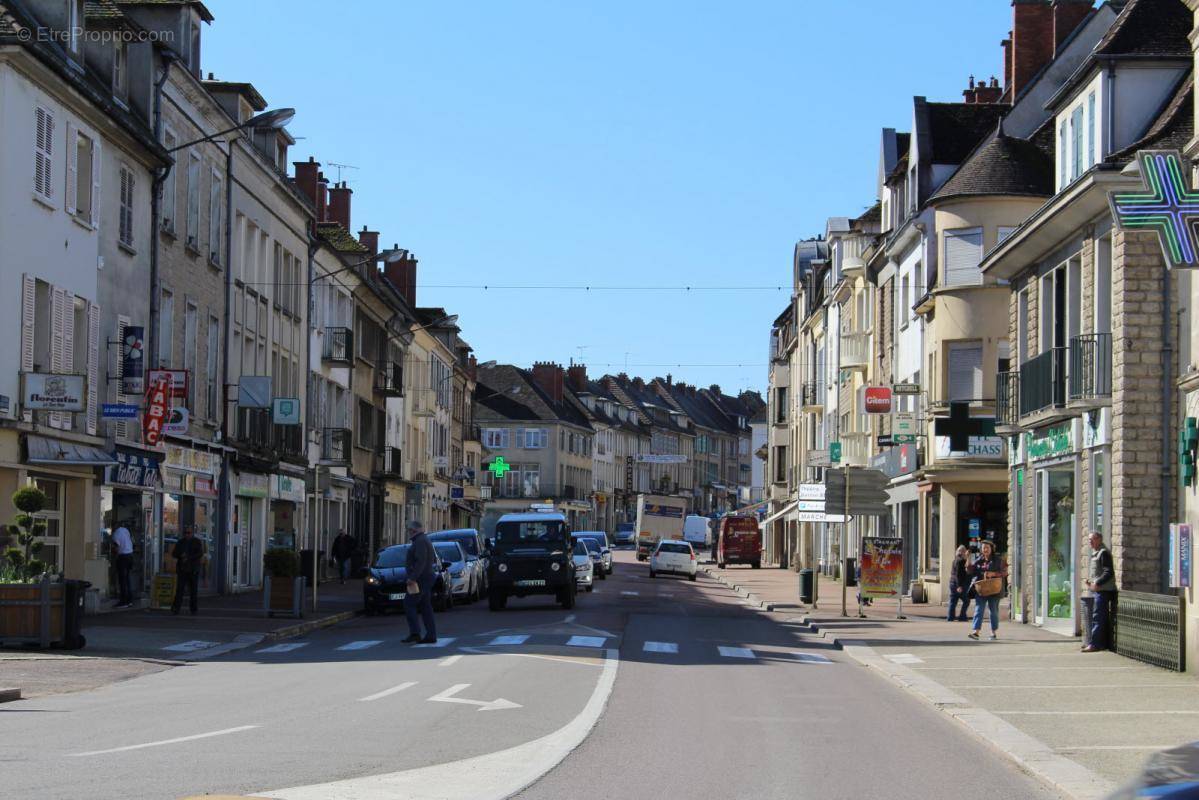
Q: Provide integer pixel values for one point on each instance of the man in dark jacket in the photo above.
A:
(1102, 585)
(189, 559)
(421, 573)
(341, 552)
(959, 584)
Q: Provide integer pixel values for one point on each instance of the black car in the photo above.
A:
(531, 554)
(387, 582)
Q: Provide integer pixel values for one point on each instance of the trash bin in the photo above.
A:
(72, 627)
(851, 571)
(306, 564)
(807, 587)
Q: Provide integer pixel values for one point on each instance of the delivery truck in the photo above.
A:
(658, 517)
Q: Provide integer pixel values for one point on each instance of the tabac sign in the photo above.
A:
(1167, 206)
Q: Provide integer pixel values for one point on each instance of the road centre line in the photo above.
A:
(378, 695)
(448, 660)
(162, 742)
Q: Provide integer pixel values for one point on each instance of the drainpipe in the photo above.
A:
(160, 177)
(223, 493)
(313, 524)
(1167, 449)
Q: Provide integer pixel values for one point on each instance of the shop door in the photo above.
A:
(243, 548)
(910, 533)
(1054, 553)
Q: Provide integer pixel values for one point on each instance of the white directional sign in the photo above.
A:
(665, 458)
(811, 491)
(820, 516)
(498, 704)
(810, 505)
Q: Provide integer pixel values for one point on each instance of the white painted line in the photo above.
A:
(904, 658)
(585, 641)
(627, 593)
(386, 692)
(498, 704)
(660, 647)
(176, 740)
(442, 642)
(448, 660)
(1118, 747)
(493, 776)
(190, 646)
(286, 647)
(361, 645)
(579, 662)
(569, 618)
(518, 639)
(735, 652)
(666, 596)
(812, 658)
(1096, 713)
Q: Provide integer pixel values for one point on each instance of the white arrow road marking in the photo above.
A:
(190, 647)
(286, 647)
(812, 658)
(442, 642)
(904, 658)
(586, 641)
(735, 652)
(484, 705)
(521, 639)
(386, 692)
(660, 647)
(361, 645)
(445, 662)
(177, 740)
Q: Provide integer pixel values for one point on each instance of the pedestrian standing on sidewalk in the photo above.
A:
(1102, 586)
(189, 559)
(342, 552)
(986, 595)
(959, 584)
(122, 542)
(420, 573)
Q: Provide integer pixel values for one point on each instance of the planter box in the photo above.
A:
(283, 596)
(32, 613)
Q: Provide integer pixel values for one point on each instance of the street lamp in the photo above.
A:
(267, 120)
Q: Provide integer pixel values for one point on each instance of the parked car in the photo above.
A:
(462, 574)
(386, 582)
(476, 554)
(673, 557)
(584, 565)
(739, 542)
(597, 557)
(626, 534)
(601, 538)
(531, 554)
(698, 531)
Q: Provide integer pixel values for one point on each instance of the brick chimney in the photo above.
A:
(402, 275)
(986, 93)
(339, 204)
(714, 388)
(1032, 41)
(472, 367)
(550, 377)
(1068, 15)
(322, 197)
(369, 240)
(576, 376)
(1006, 44)
(307, 175)
(968, 92)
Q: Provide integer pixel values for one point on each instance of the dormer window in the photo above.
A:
(120, 69)
(1078, 147)
(75, 25)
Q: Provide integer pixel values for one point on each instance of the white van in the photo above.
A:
(697, 530)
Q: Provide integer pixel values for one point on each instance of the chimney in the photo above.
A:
(402, 275)
(322, 197)
(1006, 44)
(668, 378)
(1068, 15)
(986, 93)
(307, 173)
(369, 240)
(549, 376)
(472, 367)
(1032, 41)
(714, 389)
(339, 204)
(968, 92)
(637, 382)
(576, 375)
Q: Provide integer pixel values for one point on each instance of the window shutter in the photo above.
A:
(57, 343)
(965, 372)
(28, 312)
(963, 252)
(96, 162)
(93, 368)
(43, 157)
(72, 169)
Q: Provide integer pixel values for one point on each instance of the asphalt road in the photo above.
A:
(695, 695)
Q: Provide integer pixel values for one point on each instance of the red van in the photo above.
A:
(740, 542)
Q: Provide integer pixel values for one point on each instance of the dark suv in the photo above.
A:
(530, 554)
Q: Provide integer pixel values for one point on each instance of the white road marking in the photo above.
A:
(448, 660)
(735, 652)
(517, 639)
(191, 646)
(286, 647)
(176, 740)
(1118, 747)
(660, 647)
(361, 645)
(498, 704)
(904, 658)
(377, 695)
(812, 658)
(442, 642)
(627, 593)
(569, 618)
(585, 641)
(493, 776)
(1175, 712)
(559, 659)
(666, 596)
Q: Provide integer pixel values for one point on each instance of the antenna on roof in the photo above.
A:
(340, 167)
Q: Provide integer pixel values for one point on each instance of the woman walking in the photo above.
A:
(959, 584)
(988, 572)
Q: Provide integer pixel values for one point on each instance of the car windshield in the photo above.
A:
(670, 547)
(590, 544)
(469, 543)
(531, 532)
(448, 551)
(392, 557)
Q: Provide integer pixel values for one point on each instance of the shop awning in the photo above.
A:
(785, 510)
(41, 450)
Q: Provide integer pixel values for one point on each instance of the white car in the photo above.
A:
(584, 566)
(674, 557)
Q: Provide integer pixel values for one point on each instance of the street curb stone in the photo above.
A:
(8, 694)
(242, 641)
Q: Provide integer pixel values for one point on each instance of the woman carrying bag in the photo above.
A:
(988, 572)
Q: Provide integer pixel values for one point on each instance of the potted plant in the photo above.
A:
(284, 587)
(32, 608)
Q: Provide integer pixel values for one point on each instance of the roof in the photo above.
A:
(694, 404)
(518, 397)
(760, 417)
(205, 14)
(956, 128)
(783, 317)
(1001, 165)
(246, 90)
(1149, 28)
(102, 10)
(870, 215)
(645, 396)
(339, 238)
(502, 404)
(1173, 127)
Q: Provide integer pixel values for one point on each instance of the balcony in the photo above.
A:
(1007, 398)
(336, 445)
(388, 463)
(288, 441)
(1090, 368)
(254, 428)
(855, 350)
(338, 347)
(856, 448)
(389, 379)
(811, 398)
(1043, 382)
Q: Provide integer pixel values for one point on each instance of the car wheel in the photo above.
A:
(691, 577)
(601, 574)
(568, 598)
(496, 600)
(757, 564)
(611, 569)
(653, 574)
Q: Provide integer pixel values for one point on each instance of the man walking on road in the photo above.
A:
(123, 543)
(419, 597)
(189, 558)
(1102, 585)
(341, 552)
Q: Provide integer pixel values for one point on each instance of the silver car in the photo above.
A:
(476, 555)
(601, 539)
(584, 571)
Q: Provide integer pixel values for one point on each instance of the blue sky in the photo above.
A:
(607, 144)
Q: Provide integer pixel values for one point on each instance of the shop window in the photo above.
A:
(1099, 490)
(52, 517)
(934, 531)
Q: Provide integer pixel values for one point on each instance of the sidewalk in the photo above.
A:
(1084, 723)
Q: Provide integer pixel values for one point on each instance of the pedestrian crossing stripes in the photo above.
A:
(585, 641)
(517, 639)
(445, 641)
(361, 645)
(285, 647)
(190, 647)
(905, 658)
(660, 647)
(735, 652)
(812, 658)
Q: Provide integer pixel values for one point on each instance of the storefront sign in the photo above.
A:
(162, 590)
(251, 484)
(897, 461)
(457, 493)
(980, 448)
(43, 392)
(133, 470)
(1180, 555)
(877, 400)
(1168, 207)
(254, 391)
(133, 362)
(156, 410)
(1050, 442)
(903, 427)
(286, 411)
(176, 380)
(177, 421)
(882, 567)
(818, 458)
(118, 411)
(1096, 427)
(285, 487)
(665, 458)
(189, 460)
(906, 388)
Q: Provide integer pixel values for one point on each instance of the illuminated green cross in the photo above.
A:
(499, 466)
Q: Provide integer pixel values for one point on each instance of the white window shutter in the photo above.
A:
(963, 252)
(43, 156)
(96, 169)
(28, 313)
(965, 372)
(72, 169)
(57, 342)
(93, 368)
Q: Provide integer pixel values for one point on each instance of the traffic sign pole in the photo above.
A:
(845, 544)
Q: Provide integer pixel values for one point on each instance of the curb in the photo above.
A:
(750, 598)
(242, 641)
(7, 695)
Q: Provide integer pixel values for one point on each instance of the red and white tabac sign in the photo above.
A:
(156, 410)
(878, 400)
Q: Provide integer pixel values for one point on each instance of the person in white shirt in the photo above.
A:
(123, 543)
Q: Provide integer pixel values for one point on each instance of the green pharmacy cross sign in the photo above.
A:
(499, 467)
(1168, 207)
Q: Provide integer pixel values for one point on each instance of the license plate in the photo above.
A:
(531, 583)
(397, 596)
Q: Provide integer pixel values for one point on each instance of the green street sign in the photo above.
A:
(903, 438)
(834, 452)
